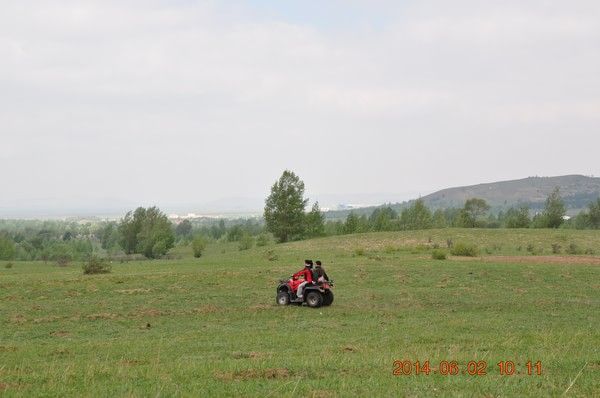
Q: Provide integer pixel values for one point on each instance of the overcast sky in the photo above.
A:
(105, 103)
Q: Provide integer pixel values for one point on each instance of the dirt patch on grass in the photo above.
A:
(7, 348)
(250, 374)
(151, 312)
(60, 333)
(45, 319)
(205, 309)
(102, 315)
(247, 355)
(18, 319)
(133, 291)
(260, 307)
(543, 259)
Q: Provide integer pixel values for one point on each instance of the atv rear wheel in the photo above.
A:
(327, 298)
(283, 298)
(314, 299)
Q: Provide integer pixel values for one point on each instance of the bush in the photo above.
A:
(246, 242)
(198, 246)
(8, 265)
(271, 255)
(262, 240)
(359, 251)
(96, 265)
(574, 249)
(556, 248)
(465, 250)
(438, 255)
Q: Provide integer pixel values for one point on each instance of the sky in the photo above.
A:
(200, 105)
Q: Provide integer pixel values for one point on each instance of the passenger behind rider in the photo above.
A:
(306, 272)
(320, 271)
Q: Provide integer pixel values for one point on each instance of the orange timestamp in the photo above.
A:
(471, 368)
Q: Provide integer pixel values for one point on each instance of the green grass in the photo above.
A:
(210, 326)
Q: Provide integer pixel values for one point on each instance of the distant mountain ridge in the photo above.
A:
(576, 190)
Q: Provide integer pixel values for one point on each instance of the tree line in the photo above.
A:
(149, 233)
(144, 232)
(286, 218)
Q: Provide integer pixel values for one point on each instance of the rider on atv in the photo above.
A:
(321, 275)
(308, 277)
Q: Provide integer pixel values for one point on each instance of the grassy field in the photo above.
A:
(210, 326)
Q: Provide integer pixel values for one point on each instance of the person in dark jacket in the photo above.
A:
(307, 273)
(321, 274)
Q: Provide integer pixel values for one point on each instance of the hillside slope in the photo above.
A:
(576, 190)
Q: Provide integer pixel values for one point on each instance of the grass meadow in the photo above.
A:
(210, 326)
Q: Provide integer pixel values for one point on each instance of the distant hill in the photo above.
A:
(576, 190)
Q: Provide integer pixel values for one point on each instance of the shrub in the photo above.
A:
(389, 249)
(573, 249)
(556, 248)
(590, 251)
(262, 239)
(246, 242)
(465, 250)
(8, 265)
(438, 255)
(96, 265)
(359, 251)
(198, 246)
(271, 255)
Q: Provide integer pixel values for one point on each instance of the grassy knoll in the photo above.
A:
(209, 326)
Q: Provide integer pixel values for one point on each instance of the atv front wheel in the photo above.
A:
(327, 298)
(283, 298)
(314, 299)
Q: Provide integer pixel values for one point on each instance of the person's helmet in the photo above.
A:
(308, 263)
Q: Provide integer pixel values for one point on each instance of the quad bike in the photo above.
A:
(315, 294)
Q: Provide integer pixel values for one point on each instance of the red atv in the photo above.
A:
(315, 294)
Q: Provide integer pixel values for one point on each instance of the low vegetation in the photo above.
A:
(96, 265)
(196, 326)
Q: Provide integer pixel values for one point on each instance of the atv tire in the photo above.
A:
(327, 298)
(283, 298)
(314, 299)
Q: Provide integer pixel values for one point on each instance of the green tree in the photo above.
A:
(594, 214)
(198, 245)
(381, 218)
(417, 216)
(351, 224)
(284, 207)
(473, 211)
(184, 229)
(246, 241)
(129, 228)
(156, 236)
(315, 222)
(439, 219)
(554, 210)
(109, 235)
(517, 218)
(146, 231)
(7, 248)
